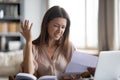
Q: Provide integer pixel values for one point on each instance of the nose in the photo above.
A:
(59, 29)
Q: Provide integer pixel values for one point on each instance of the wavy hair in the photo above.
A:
(54, 12)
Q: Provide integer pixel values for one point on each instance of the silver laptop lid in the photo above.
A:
(108, 67)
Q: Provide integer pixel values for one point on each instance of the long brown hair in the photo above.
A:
(54, 12)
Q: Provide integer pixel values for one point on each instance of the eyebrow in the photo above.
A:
(59, 24)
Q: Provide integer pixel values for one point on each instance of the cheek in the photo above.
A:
(50, 29)
(63, 31)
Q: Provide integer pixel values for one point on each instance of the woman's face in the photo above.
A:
(56, 28)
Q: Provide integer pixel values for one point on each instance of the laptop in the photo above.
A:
(108, 66)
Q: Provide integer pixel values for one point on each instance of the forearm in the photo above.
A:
(28, 65)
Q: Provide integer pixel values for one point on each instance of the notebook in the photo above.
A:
(108, 66)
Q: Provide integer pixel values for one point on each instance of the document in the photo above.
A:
(80, 61)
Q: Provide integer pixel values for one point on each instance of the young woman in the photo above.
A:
(51, 52)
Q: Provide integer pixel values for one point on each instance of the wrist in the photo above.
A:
(29, 42)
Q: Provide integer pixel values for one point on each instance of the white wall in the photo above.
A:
(34, 11)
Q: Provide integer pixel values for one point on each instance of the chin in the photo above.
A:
(57, 39)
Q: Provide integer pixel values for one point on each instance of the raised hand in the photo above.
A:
(26, 30)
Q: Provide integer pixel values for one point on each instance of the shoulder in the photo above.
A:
(72, 46)
(35, 50)
(34, 47)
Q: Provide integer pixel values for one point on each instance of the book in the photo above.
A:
(12, 27)
(3, 27)
(26, 76)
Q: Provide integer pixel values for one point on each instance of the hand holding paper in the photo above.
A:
(80, 62)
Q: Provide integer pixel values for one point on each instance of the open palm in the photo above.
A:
(26, 30)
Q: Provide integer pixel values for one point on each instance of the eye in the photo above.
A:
(56, 25)
(63, 27)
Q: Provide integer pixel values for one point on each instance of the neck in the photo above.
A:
(51, 43)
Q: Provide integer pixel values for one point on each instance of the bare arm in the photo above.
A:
(28, 66)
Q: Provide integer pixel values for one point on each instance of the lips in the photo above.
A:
(57, 35)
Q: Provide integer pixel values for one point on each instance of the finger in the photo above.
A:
(73, 76)
(22, 25)
(25, 25)
(85, 75)
(31, 26)
(78, 76)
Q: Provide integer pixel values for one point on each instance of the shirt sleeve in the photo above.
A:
(35, 55)
(73, 47)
